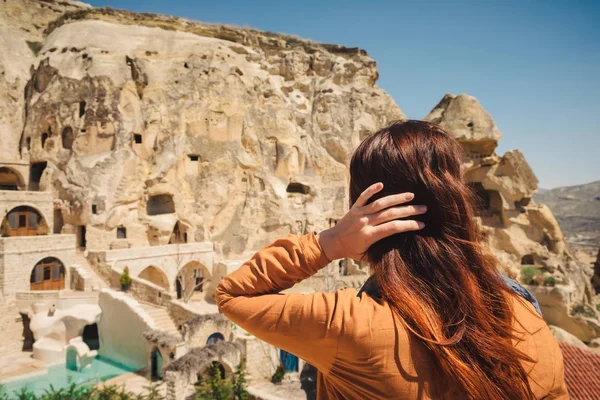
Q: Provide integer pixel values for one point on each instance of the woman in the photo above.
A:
(436, 319)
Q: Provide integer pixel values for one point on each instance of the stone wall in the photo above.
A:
(11, 323)
(121, 329)
(261, 358)
(142, 290)
(21, 254)
(169, 259)
(206, 325)
(182, 374)
(63, 300)
(180, 312)
(41, 201)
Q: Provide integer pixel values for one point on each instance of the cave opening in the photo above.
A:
(297, 187)
(160, 204)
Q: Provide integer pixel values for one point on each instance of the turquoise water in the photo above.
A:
(59, 376)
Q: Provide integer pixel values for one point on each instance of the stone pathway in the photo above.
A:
(202, 307)
(290, 390)
(135, 383)
(16, 364)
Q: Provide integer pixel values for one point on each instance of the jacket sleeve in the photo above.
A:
(559, 387)
(307, 326)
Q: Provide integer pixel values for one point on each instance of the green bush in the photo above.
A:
(75, 392)
(550, 281)
(35, 47)
(278, 375)
(125, 279)
(530, 276)
(239, 384)
(583, 309)
(215, 387)
(597, 308)
(3, 393)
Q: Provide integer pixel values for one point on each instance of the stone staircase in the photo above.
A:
(91, 280)
(161, 317)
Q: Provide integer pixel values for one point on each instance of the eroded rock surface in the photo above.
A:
(524, 235)
(239, 142)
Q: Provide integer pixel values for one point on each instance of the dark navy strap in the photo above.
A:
(371, 288)
(523, 292)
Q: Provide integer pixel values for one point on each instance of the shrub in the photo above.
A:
(550, 281)
(239, 384)
(530, 275)
(215, 387)
(24, 394)
(583, 309)
(35, 47)
(3, 394)
(79, 392)
(278, 375)
(598, 307)
(125, 279)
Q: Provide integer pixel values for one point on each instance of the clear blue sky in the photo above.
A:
(534, 65)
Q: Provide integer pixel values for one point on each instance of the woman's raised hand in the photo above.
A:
(365, 224)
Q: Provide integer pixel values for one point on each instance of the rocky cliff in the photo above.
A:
(524, 235)
(149, 128)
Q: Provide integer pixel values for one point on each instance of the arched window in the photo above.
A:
(156, 276)
(289, 361)
(10, 179)
(23, 221)
(178, 235)
(214, 338)
(48, 274)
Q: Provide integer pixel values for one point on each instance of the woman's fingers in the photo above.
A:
(367, 194)
(391, 228)
(393, 213)
(388, 201)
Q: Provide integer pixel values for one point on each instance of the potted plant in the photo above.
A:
(125, 279)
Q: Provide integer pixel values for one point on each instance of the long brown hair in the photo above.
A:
(441, 281)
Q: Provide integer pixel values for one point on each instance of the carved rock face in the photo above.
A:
(248, 142)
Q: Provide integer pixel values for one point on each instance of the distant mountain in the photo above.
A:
(577, 209)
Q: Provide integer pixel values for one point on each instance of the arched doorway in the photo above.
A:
(216, 370)
(179, 289)
(214, 338)
(24, 221)
(90, 336)
(156, 276)
(156, 362)
(192, 280)
(179, 235)
(288, 361)
(10, 179)
(48, 274)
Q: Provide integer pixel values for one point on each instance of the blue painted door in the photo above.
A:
(289, 361)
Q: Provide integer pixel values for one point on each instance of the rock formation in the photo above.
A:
(153, 130)
(523, 235)
(236, 140)
(54, 329)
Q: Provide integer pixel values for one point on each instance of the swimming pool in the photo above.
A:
(59, 376)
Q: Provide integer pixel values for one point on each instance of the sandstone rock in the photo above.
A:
(468, 122)
(248, 136)
(563, 336)
(521, 233)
